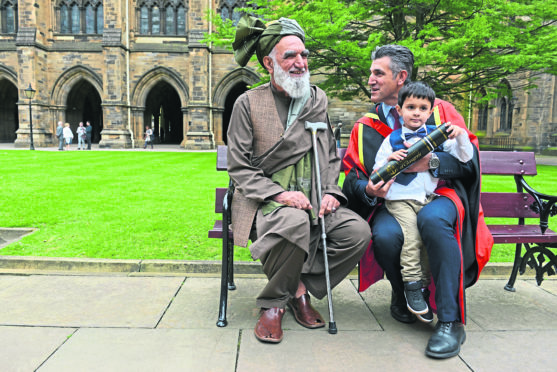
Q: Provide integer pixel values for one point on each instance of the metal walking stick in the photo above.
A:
(314, 127)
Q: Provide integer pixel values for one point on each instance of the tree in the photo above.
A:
(459, 46)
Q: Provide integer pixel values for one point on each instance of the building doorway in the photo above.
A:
(236, 91)
(9, 120)
(163, 114)
(84, 104)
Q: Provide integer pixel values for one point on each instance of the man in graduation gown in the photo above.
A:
(272, 168)
(452, 228)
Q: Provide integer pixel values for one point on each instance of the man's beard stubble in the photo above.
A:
(294, 87)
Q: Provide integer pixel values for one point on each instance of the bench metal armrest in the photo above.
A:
(545, 205)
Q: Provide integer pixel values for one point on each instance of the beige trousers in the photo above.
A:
(413, 257)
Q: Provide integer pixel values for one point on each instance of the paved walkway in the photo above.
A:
(142, 321)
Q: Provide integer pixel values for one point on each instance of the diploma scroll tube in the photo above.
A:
(415, 152)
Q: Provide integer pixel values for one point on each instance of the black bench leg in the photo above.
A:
(517, 261)
(231, 285)
(223, 301)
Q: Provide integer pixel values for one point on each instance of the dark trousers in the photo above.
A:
(88, 141)
(436, 223)
(148, 143)
(60, 143)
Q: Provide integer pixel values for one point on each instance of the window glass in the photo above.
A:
(89, 19)
(10, 19)
(156, 21)
(181, 20)
(64, 21)
(224, 14)
(503, 115)
(144, 18)
(75, 19)
(169, 26)
(100, 19)
(236, 15)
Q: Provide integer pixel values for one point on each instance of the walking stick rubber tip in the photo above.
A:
(333, 328)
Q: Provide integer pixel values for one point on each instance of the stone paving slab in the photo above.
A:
(378, 298)
(164, 350)
(510, 351)
(196, 306)
(26, 348)
(317, 350)
(85, 301)
(496, 309)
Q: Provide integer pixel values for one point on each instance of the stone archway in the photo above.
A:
(9, 122)
(84, 104)
(159, 100)
(235, 92)
(163, 112)
(226, 93)
(76, 96)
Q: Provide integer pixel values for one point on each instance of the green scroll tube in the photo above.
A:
(415, 152)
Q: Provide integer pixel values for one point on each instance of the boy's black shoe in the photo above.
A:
(427, 317)
(415, 298)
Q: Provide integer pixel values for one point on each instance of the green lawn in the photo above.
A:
(133, 204)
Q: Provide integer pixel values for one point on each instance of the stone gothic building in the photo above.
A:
(123, 65)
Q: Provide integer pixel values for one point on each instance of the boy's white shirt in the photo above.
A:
(424, 184)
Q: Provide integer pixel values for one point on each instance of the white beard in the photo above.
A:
(295, 87)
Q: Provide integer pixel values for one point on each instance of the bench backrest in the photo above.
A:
(495, 204)
(508, 163)
(508, 204)
(222, 157)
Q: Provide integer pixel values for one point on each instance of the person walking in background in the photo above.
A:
(68, 135)
(148, 137)
(60, 136)
(337, 134)
(81, 136)
(88, 134)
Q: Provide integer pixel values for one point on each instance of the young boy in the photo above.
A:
(411, 191)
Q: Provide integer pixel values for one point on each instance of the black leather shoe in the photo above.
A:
(446, 340)
(399, 310)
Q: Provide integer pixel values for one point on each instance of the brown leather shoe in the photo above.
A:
(304, 313)
(269, 325)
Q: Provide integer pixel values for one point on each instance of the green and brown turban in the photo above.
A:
(252, 35)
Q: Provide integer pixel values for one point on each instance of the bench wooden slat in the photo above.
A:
(508, 163)
(216, 231)
(220, 192)
(508, 204)
(221, 158)
(521, 234)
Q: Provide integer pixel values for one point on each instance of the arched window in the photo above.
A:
(80, 16)
(181, 20)
(8, 14)
(89, 19)
(100, 18)
(229, 9)
(161, 17)
(64, 19)
(506, 107)
(170, 24)
(155, 20)
(482, 112)
(75, 21)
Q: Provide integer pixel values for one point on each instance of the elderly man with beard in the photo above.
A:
(271, 167)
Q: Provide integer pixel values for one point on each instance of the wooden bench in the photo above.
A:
(536, 238)
(221, 230)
